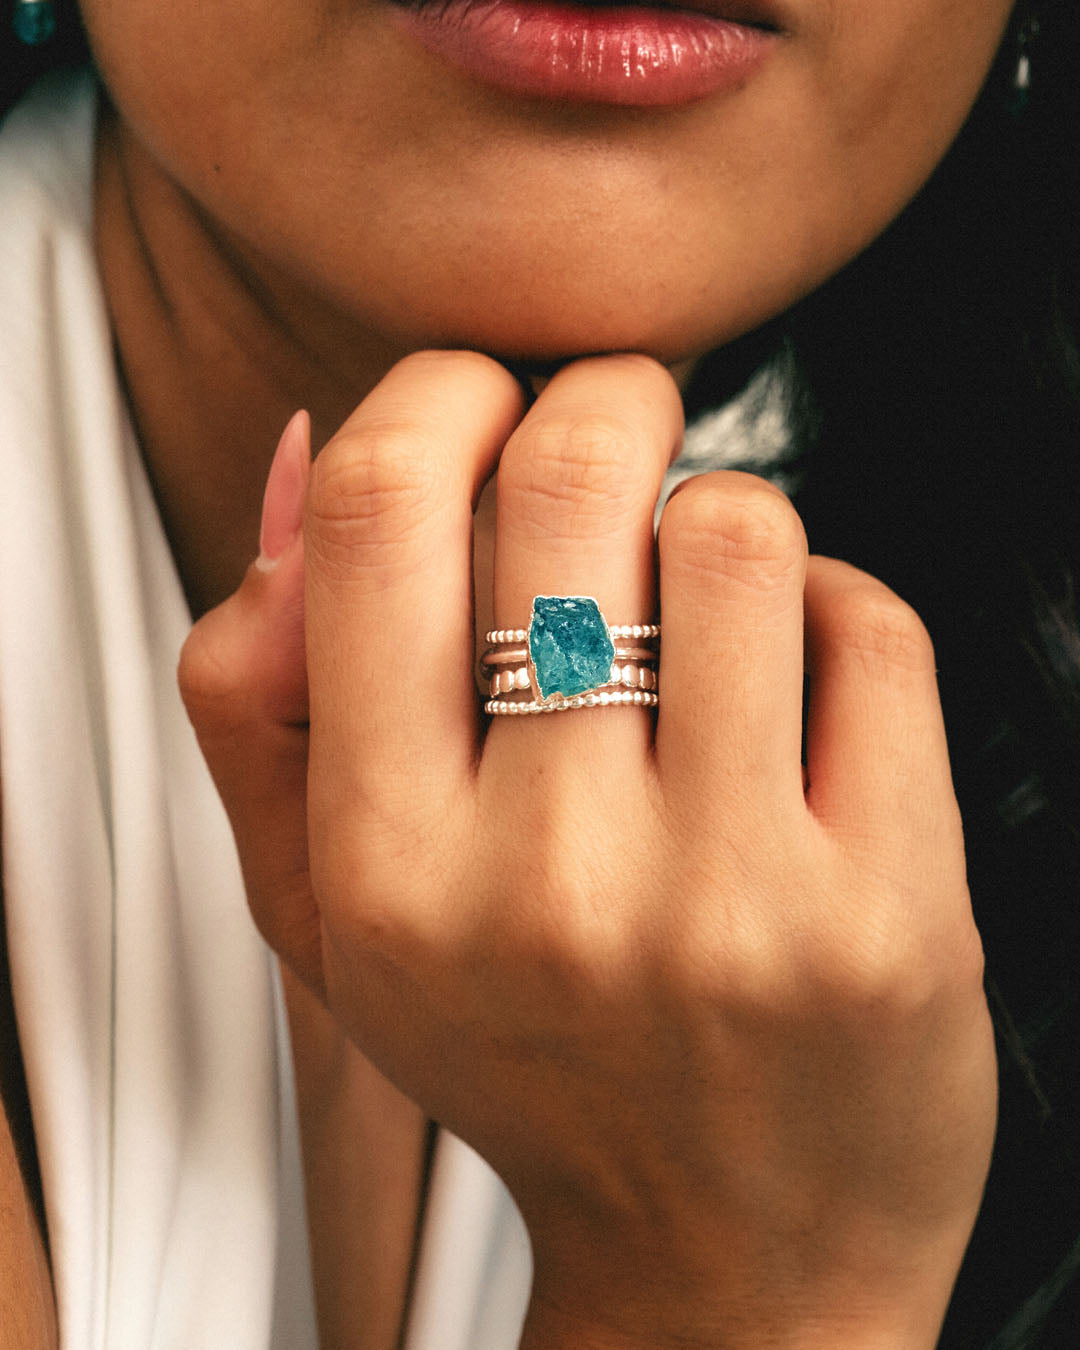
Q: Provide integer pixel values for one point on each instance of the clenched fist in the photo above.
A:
(714, 1015)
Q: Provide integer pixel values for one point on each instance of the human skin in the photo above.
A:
(290, 201)
(722, 1034)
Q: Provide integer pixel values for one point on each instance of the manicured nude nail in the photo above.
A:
(286, 486)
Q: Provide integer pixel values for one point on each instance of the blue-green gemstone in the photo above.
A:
(569, 644)
(35, 21)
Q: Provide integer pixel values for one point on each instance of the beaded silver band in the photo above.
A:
(604, 699)
(517, 679)
(500, 636)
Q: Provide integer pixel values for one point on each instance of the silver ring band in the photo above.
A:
(638, 699)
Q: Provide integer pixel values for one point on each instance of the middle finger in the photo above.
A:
(577, 489)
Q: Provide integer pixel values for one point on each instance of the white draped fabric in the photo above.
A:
(148, 1008)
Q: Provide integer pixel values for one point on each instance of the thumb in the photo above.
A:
(243, 679)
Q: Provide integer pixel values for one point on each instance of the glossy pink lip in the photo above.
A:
(634, 55)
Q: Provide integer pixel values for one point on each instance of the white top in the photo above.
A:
(148, 1008)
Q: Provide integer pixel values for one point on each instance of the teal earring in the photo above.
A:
(34, 21)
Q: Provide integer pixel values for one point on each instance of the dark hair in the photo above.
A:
(936, 403)
(21, 65)
(937, 411)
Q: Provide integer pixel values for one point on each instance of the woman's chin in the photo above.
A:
(538, 348)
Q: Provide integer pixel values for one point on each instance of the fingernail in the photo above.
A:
(286, 486)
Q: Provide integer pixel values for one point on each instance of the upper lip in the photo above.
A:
(764, 14)
(750, 13)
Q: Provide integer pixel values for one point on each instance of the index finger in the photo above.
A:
(389, 602)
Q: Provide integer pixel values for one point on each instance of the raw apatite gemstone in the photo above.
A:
(35, 21)
(569, 645)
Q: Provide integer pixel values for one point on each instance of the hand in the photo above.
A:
(723, 1035)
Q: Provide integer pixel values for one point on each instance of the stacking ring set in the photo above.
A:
(570, 657)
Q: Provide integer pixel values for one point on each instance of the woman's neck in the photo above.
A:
(216, 353)
(217, 350)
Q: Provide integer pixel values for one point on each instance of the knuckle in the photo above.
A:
(384, 937)
(380, 926)
(968, 963)
(734, 526)
(212, 683)
(889, 972)
(739, 972)
(367, 899)
(967, 960)
(555, 944)
(284, 912)
(590, 468)
(876, 971)
(570, 893)
(372, 486)
(875, 624)
(571, 941)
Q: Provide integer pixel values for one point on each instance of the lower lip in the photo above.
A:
(631, 55)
